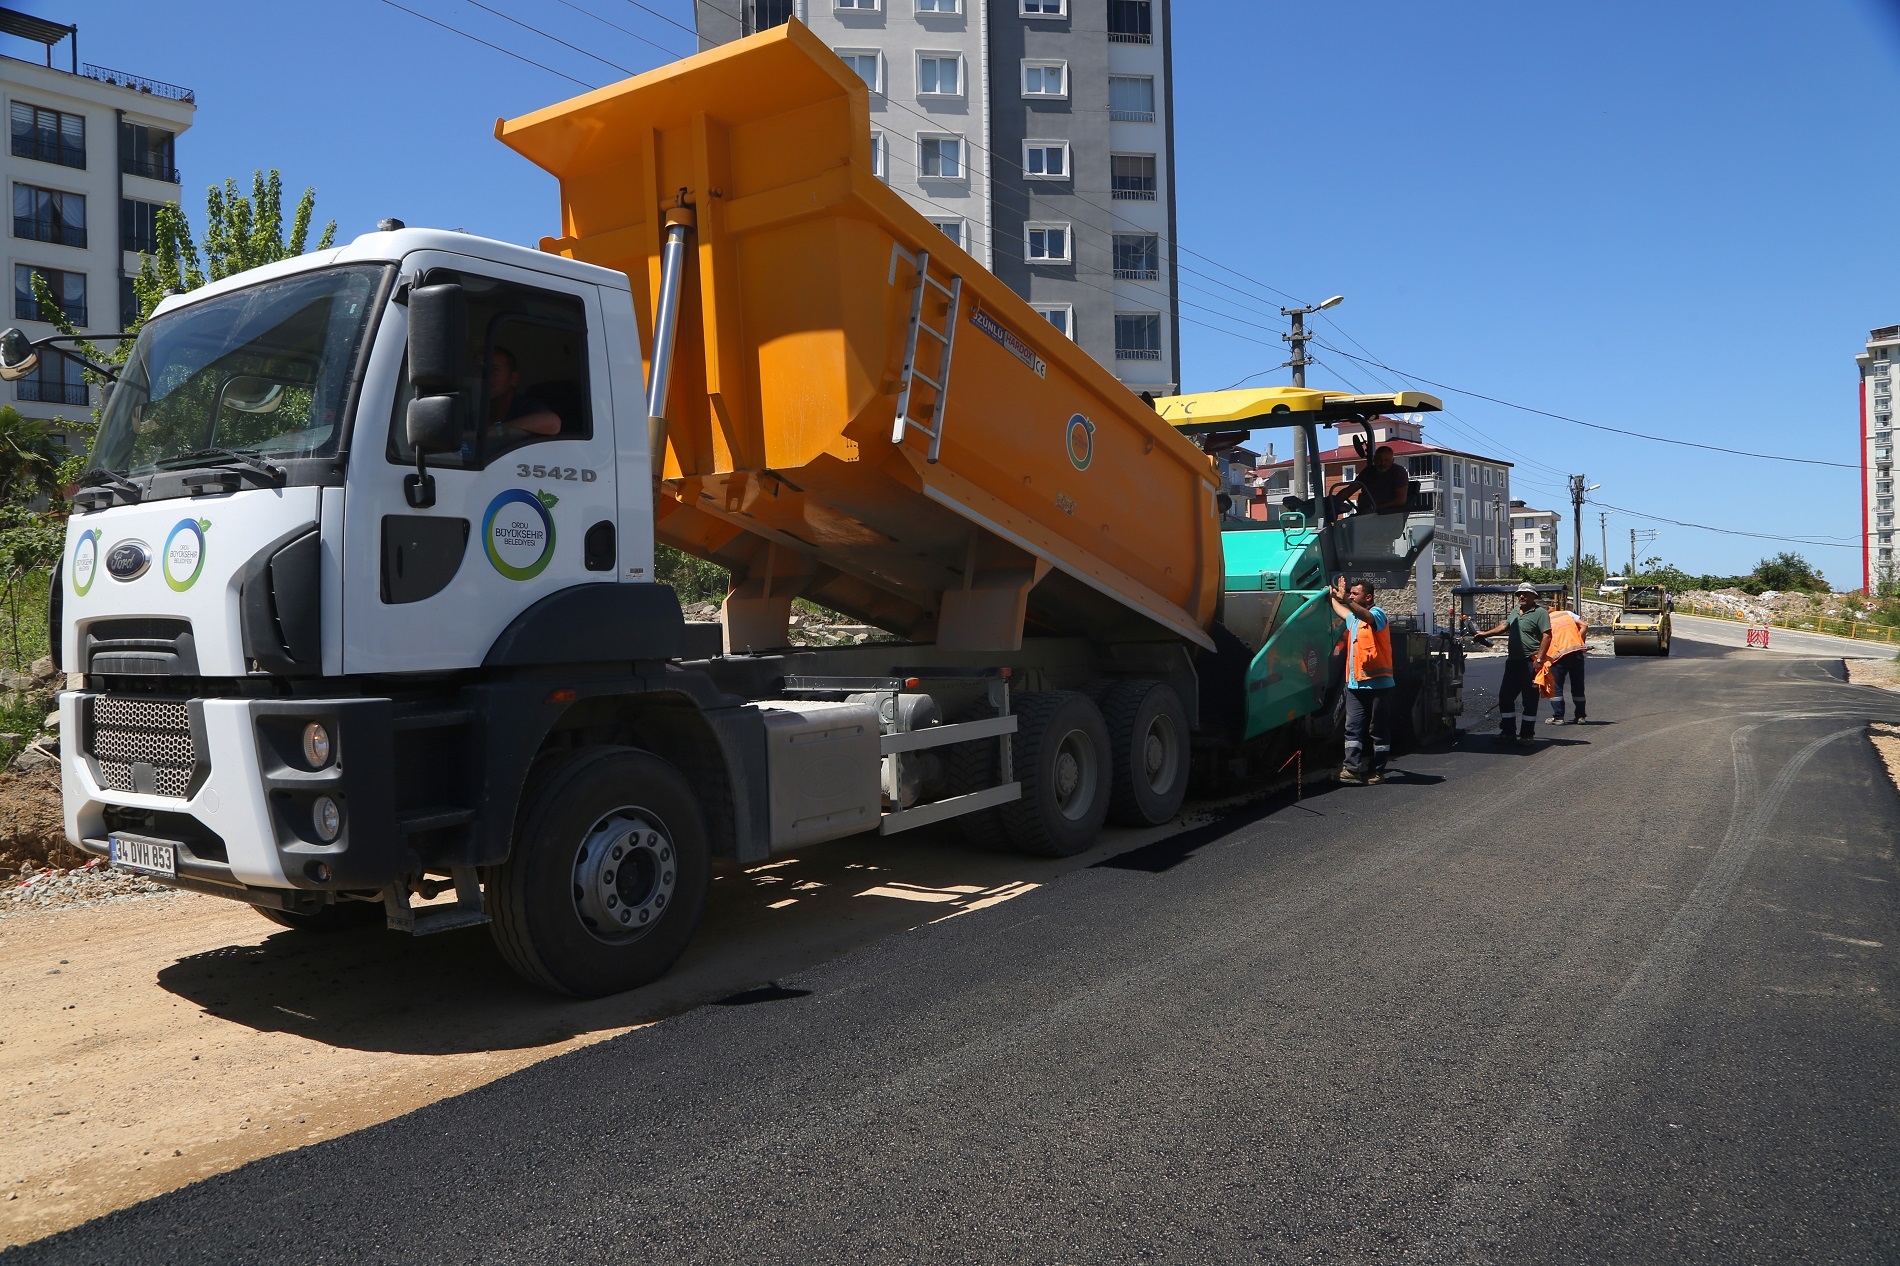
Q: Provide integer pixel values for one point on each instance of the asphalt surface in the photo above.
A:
(1785, 641)
(1625, 997)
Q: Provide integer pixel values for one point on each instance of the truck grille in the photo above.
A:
(142, 745)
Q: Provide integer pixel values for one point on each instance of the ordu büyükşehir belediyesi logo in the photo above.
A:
(518, 533)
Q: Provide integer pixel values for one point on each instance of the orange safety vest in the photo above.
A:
(1371, 653)
(1566, 634)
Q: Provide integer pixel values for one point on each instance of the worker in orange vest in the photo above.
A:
(1567, 659)
(1368, 682)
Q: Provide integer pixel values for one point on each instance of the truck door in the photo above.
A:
(525, 508)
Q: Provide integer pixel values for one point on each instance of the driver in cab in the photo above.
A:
(1382, 487)
(511, 415)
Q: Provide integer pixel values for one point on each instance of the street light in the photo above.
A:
(1333, 302)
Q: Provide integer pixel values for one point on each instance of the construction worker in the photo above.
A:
(1567, 659)
(1368, 682)
(1526, 648)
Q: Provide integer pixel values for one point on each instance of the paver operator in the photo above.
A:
(1368, 682)
(1567, 660)
(1526, 648)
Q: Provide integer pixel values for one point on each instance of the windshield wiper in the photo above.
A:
(225, 457)
(99, 475)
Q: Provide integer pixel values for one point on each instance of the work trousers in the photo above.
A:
(1569, 668)
(1517, 699)
(1368, 716)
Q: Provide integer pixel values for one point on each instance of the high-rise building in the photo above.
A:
(92, 158)
(1876, 457)
(1534, 536)
(1039, 134)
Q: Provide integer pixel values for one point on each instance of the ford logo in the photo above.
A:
(128, 560)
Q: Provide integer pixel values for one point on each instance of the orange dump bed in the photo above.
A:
(1058, 502)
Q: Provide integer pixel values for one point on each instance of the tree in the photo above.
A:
(1787, 572)
(240, 232)
(29, 459)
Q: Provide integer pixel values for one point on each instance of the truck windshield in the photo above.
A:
(266, 371)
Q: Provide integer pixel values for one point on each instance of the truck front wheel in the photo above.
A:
(607, 878)
(1062, 758)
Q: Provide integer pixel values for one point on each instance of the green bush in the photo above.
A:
(693, 579)
(23, 621)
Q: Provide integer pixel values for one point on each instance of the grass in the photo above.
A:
(23, 621)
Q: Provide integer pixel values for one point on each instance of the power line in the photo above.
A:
(1760, 536)
(623, 30)
(1598, 426)
(485, 44)
(557, 39)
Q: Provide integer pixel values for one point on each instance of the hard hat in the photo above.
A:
(1529, 588)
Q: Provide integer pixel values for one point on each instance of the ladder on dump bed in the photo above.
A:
(945, 337)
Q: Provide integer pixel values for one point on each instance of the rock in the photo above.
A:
(51, 722)
(34, 757)
(42, 670)
(11, 740)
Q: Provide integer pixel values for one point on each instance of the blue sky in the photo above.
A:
(1666, 218)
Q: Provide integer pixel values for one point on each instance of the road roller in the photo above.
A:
(1642, 626)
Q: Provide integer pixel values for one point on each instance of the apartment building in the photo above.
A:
(93, 156)
(1876, 363)
(1534, 535)
(1038, 134)
(1469, 492)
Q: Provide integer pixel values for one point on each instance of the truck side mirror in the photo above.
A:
(438, 338)
(17, 356)
(434, 423)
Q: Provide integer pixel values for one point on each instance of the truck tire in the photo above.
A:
(972, 767)
(607, 877)
(1148, 743)
(1063, 760)
(339, 916)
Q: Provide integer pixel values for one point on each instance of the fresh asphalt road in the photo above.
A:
(1786, 641)
(1626, 997)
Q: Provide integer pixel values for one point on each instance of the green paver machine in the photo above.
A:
(1280, 668)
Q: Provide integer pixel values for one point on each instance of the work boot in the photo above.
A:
(1527, 736)
(1579, 720)
(1351, 777)
(1376, 777)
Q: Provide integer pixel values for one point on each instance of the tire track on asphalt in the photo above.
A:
(1483, 1207)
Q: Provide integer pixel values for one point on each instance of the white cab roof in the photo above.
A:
(394, 247)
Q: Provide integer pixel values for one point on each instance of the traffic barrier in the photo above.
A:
(1758, 636)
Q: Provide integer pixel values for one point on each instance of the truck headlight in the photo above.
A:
(327, 818)
(316, 745)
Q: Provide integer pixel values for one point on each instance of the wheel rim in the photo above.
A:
(1075, 775)
(625, 871)
(1160, 754)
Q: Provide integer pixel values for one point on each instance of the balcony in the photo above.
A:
(53, 392)
(48, 150)
(1127, 192)
(52, 231)
(150, 168)
(26, 309)
(1137, 274)
(1131, 116)
(139, 83)
(1137, 353)
(1130, 37)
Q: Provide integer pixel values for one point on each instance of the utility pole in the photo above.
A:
(1603, 526)
(1647, 538)
(1299, 338)
(1576, 550)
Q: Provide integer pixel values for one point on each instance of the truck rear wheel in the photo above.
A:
(1062, 758)
(1148, 744)
(607, 878)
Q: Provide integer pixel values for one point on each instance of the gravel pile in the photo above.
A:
(33, 891)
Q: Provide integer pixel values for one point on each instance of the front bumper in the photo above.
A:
(244, 817)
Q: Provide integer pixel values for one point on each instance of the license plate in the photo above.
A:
(143, 855)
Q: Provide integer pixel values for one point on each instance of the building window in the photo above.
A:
(939, 75)
(1046, 160)
(1131, 177)
(867, 63)
(1883, 402)
(138, 225)
(878, 157)
(1130, 22)
(1883, 487)
(49, 135)
(1458, 511)
(1880, 353)
(939, 6)
(1046, 243)
(1060, 315)
(1045, 79)
(1138, 257)
(47, 215)
(128, 304)
(69, 291)
(147, 151)
(1131, 98)
(940, 157)
(1137, 336)
(56, 379)
(1457, 474)
(862, 6)
(952, 228)
(763, 15)
(1045, 8)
